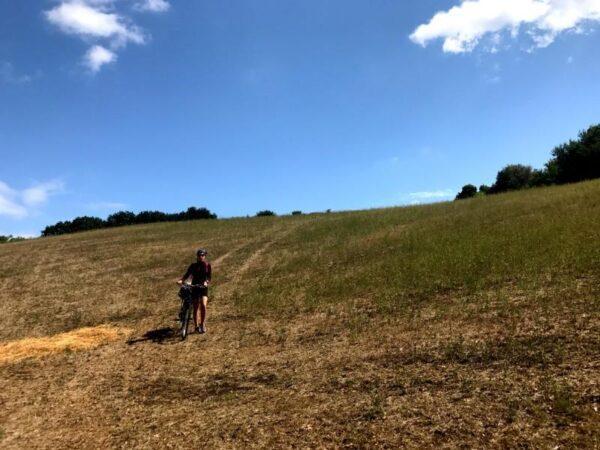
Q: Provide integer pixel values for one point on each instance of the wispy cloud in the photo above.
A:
(9, 202)
(107, 206)
(153, 5)
(101, 21)
(427, 195)
(462, 28)
(20, 204)
(9, 75)
(415, 198)
(39, 193)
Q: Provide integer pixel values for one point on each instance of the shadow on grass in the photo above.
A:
(158, 336)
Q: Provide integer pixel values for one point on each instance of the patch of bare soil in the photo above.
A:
(81, 339)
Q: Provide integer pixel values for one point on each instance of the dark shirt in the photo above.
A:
(200, 272)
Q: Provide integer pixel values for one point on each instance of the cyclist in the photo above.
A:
(200, 272)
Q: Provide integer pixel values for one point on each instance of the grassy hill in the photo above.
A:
(472, 323)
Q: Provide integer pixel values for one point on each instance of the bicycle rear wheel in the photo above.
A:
(185, 320)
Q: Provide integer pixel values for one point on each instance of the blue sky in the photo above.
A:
(240, 106)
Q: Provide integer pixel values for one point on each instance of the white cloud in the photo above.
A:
(78, 17)
(464, 26)
(19, 204)
(100, 22)
(97, 56)
(153, 5)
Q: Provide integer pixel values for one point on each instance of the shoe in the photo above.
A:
(199, 330)
(202, 329)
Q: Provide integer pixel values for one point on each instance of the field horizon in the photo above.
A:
(472, 323)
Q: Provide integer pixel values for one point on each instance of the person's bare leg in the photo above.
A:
(196, 304)
(203, 305)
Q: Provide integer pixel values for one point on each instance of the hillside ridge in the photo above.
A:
(472, 323)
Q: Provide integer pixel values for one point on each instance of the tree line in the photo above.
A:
(10, 238)
(122, 218)
(576, 160)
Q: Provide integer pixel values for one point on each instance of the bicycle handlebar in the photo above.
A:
(190, 286)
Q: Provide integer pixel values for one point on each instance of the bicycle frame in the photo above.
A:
(185, 311)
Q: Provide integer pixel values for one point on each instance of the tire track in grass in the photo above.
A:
(257, 254)
(92, 337)
(223, 257)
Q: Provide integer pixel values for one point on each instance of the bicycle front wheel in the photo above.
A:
(185, 320)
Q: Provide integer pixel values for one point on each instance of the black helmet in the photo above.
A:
(201, 252)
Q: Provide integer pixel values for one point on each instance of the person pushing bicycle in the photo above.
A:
(200, 271)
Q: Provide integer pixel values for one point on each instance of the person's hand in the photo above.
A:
(205, 284)
(179, 282)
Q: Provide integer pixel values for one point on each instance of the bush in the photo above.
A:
(512, 177)
(296, 213)
(265, 213)
(468, 191)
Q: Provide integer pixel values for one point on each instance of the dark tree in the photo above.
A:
(120, 219)
(468, 191)
(10, 238)
(57, 228)
(151, 217)
(512, 177)
(578, 160)
(194, 213)
(296, 213)
(265, 213)
(484, 189)
(545, 176)
(85, 223)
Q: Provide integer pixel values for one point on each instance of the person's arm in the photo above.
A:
(188, 272)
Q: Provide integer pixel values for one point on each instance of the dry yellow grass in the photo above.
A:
(463, 325)
(80, 339)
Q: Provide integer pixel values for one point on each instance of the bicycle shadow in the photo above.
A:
(157, 336)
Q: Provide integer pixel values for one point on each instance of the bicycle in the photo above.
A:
(185, 312)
